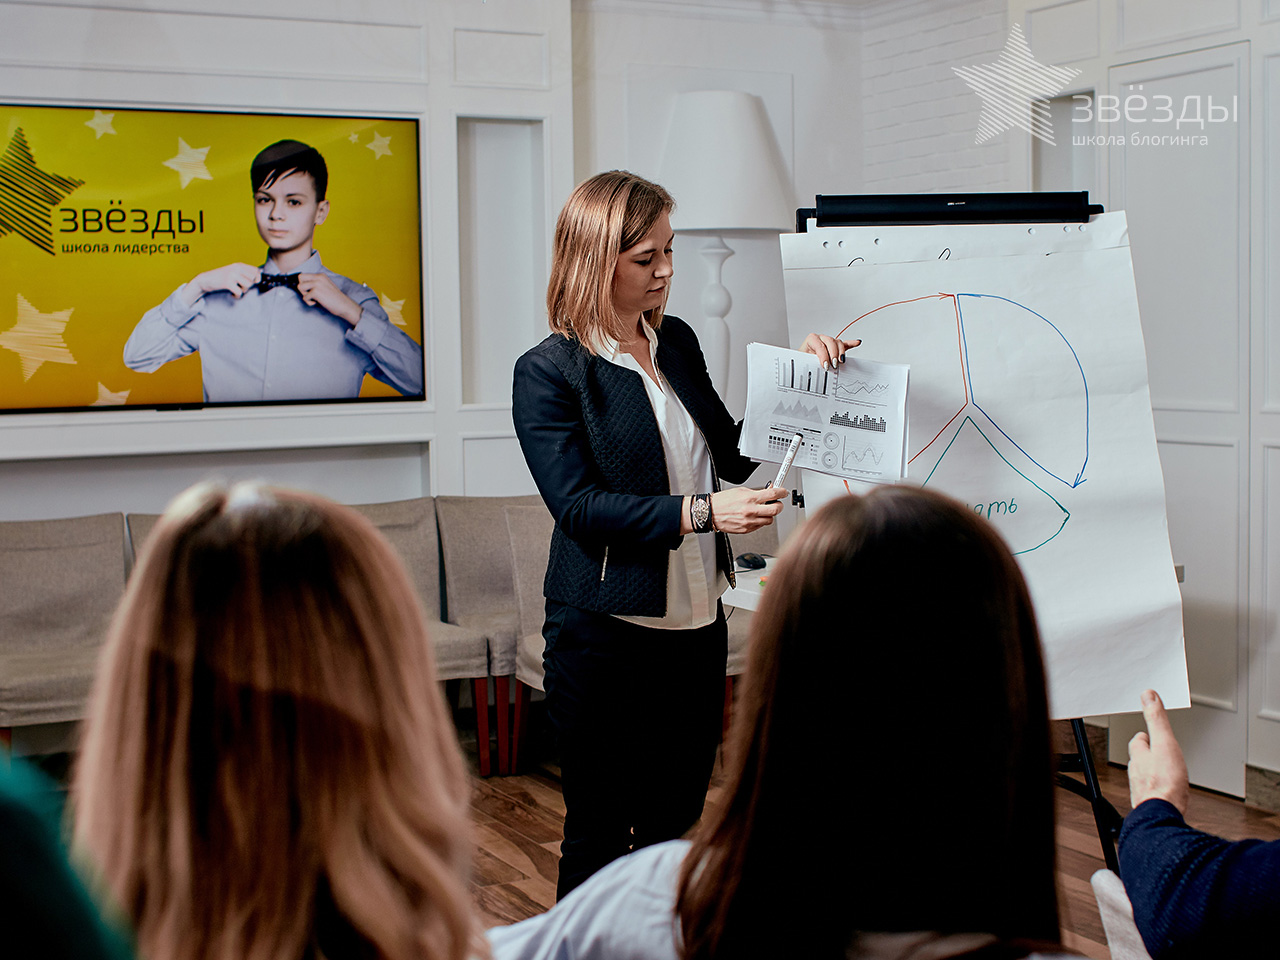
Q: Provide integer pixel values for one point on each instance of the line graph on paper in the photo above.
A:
(1011, 442)
(862, 457)
(858, 389)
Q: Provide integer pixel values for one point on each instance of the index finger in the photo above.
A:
(771, 493)
(1157, 719)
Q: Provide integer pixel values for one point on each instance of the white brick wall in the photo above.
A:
(919, 118)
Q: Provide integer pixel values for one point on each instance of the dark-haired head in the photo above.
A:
(268, 767)
(895, 678)
(285, 157)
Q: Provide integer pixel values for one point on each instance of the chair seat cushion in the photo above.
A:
(499, 629)
(529, 651)
(461, 652)
(739, 629)
(45, 685)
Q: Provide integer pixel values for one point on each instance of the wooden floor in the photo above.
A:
(519, 820)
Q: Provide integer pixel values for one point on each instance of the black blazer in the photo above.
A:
(590, 438)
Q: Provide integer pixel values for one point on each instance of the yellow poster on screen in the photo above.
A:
(108, 216)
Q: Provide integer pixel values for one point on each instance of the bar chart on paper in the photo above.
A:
(852, 419)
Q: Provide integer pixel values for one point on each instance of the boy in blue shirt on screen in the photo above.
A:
(291, 329)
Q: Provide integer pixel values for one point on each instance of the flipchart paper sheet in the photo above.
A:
(1029, 403)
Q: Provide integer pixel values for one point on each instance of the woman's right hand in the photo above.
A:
(742, 509)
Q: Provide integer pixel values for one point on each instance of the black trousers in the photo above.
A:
(638, 714)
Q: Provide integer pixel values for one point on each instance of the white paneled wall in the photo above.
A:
(1264, 667)
(504, 278)
(1202, 214)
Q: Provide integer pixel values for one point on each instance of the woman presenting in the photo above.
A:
(627, 441)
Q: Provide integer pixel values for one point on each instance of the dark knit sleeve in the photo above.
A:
(1197, 895)
(43, 902)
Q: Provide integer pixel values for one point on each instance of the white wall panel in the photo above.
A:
(501, 251)
(1203, 493)
(501, 59)
(1271, 232)
(1202, 484)
(1264, 732)
(1063, 32)
(361, 474)
(1143, 22)
(209, 43)
(1188, 222)
(493, 466)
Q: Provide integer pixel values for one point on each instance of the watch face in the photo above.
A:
(699, 511)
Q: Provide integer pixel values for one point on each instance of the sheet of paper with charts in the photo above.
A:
(1029, 403)
(852, 420)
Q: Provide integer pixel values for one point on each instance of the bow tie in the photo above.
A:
(270, 280)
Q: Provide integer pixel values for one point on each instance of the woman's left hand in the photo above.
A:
(828, 350)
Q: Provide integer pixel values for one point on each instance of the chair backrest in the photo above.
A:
(140, 526)
(61, 581)
(529, 531)
(410, 527)
(477, 554)
(1123, 938)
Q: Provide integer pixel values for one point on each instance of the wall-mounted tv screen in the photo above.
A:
(160, 259)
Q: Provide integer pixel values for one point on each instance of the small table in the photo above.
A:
(746, 595)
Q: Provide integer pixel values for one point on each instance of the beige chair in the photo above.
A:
(60, 581)
(460, 652)
(479, 592)
(139, 526)
(1123, 938)
(529, 530)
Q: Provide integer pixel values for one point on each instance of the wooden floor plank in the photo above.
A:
(514, 848)
(535, 822)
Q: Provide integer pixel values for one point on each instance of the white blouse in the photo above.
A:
(694, 583)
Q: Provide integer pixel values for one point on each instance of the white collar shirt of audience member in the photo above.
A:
(626, 911)
(694, 583)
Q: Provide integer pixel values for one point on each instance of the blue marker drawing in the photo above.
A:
(1079, 477)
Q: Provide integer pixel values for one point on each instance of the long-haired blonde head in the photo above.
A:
(605, 214)
(268, 770)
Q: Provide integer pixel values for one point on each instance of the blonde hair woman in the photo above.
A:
(268, 770)
(627, 440)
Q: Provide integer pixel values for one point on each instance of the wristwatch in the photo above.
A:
(700, 512)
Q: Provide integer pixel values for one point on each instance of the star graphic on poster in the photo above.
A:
(380, 145)
(189, 163)
(1014, 90)
(29, 194)
(354, 138)
(108, 399)
(37, 338)
(394, 309)
(101, 123)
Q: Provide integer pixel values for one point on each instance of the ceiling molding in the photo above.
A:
(832, 14)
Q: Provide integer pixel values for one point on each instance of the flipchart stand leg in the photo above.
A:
(1105, 815)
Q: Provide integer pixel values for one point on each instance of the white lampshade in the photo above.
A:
(721, 165)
